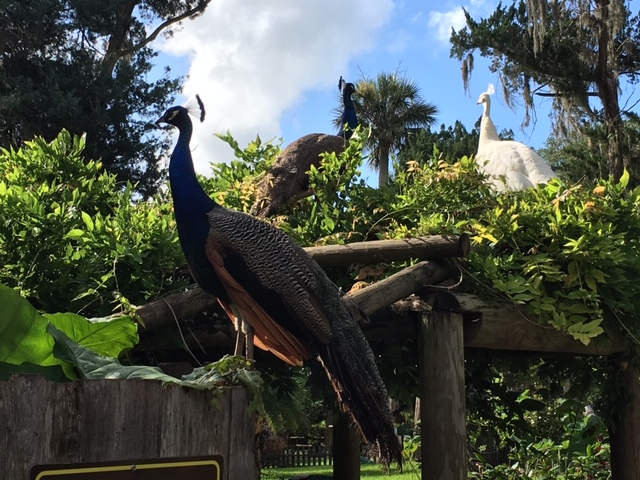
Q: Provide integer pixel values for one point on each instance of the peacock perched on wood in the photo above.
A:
(266, 281)
(287, 181)
(509, 165)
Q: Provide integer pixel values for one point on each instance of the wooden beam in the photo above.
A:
(368, 300)
(179, 306)
(380, 251)
(191, 302)
(346, 458)
(402, 284)
(506, 327)
(486, 325)
(443, 411)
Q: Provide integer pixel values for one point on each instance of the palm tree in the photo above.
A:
(391, 106)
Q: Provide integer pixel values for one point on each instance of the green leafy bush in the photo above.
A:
(568, 255)
(73, 239)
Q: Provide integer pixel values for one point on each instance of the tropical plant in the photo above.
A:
(391, 106)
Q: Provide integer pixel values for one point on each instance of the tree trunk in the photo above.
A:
(118, 39)
(117, 46)
(383, 164)
(607, 82)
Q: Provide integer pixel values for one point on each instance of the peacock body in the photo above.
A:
(287, 181)
(258, 272)
(509, 165)
(348, 119)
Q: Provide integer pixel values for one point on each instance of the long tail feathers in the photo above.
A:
(350, 365)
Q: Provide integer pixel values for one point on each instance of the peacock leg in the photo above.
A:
(238, 323)
(244, 338)
(249, 337)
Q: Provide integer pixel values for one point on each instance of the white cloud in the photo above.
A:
(250, 61)
(441, 22)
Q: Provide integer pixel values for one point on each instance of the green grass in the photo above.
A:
(411, 471)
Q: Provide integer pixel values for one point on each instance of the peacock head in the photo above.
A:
(484, 97)
(345, 87)
(178, 115)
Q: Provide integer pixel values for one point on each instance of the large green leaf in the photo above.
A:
(213, 377)
(106, 337)
(24, 338)
(93, 365)
(23, 332)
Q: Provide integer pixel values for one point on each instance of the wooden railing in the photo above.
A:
(298, 456)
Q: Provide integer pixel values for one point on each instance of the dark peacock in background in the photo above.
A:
(348, 119)
(287, 181)
(263, 278)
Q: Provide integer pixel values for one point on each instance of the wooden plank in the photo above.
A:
(113, 420)
(624, 437)
(443, 413)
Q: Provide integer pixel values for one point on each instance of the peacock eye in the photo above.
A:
(173, 114)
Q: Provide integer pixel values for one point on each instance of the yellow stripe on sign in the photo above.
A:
(131, 466)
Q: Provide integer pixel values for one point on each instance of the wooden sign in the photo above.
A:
(194, 468)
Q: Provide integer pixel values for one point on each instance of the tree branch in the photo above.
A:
(117, 39)
(194, 11)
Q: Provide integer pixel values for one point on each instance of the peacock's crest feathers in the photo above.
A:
(179, 114)
(491, 90)
(195, 108)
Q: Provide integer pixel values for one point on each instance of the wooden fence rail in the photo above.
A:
(301, 456)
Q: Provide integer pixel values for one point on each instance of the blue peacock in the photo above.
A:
(287, 181)
(268, 283)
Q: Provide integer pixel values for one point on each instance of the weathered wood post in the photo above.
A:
(346, 447)
(443, 411)
(89, 421)
(625, 434)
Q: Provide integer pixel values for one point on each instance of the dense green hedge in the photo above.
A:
(72, 239)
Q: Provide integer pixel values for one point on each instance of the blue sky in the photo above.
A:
(272, 68)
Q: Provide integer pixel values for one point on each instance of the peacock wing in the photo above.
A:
(274, 275)
(269, 334)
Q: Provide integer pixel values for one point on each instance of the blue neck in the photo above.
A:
(189, 198)
(191, 206)
(348, 117)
